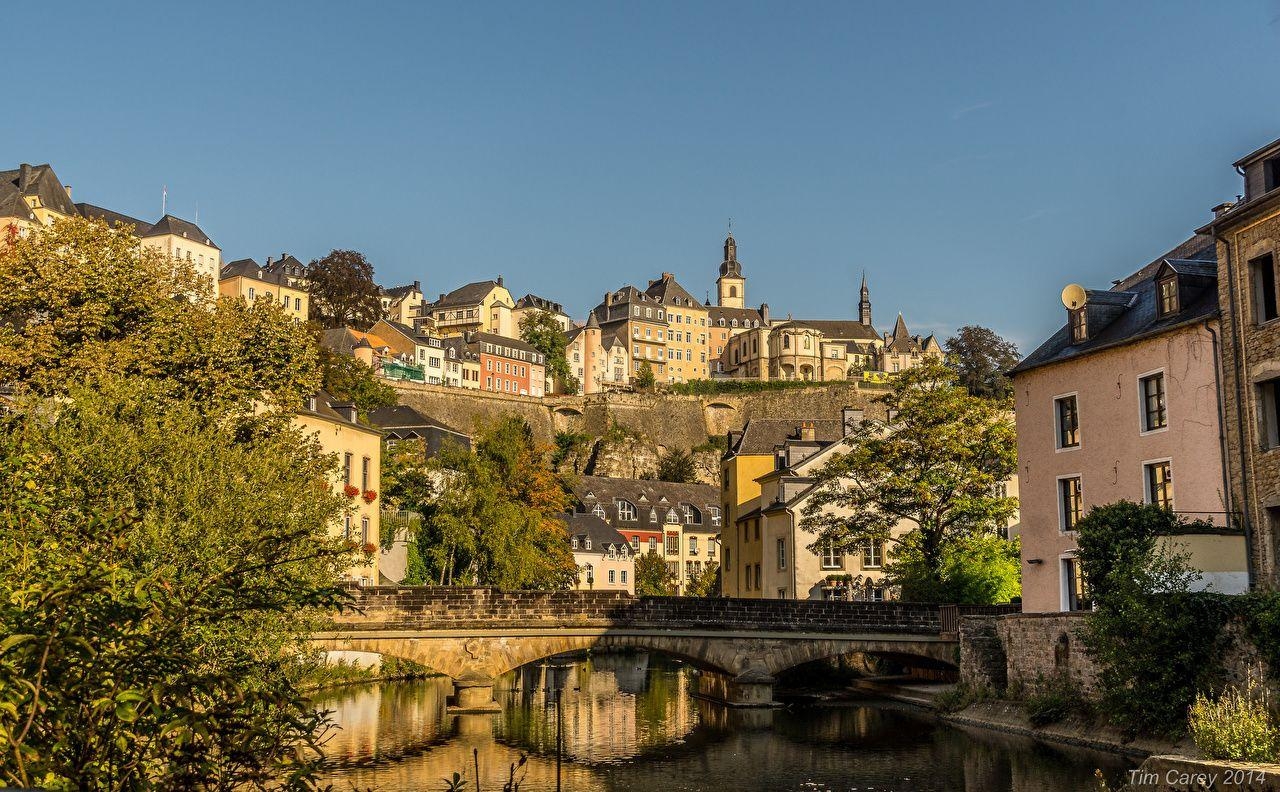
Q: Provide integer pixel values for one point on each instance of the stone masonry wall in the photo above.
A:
(427, 607)
(1260, 361)
(1030, 646)
(666, 420)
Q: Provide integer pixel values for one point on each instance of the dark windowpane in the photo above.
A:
(1068, 422)
(1154, 415)
(1168, 296)
(1263, 272)
(1070, 497)
(1160, 484)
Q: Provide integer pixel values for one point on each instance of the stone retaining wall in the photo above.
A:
(434, 607)
(1031, 646)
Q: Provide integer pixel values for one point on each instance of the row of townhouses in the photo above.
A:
(1163, 389)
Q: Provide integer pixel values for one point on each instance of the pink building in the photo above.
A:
(1122, 403)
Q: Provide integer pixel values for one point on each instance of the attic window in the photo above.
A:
(1271, 174)
(1079, 325)
(1167, 292)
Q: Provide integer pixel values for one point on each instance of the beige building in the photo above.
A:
(680, 521)
(32, 196)
(599, 360)
(606, 561)
(686, 337)
(532, 304)
(1119, 404)
(1247, 237)
(358, 449)
(244, 279)
(484, 306)
(632, 314)
(461, 363)
(404, 305)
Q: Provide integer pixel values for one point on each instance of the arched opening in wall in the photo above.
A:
(842, 670)
(806, 373)
(720, 418)
(833, 373)
(1062, 652)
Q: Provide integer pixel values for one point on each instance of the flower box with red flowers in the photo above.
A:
(351, 490)
(370, 548)
(370, 496)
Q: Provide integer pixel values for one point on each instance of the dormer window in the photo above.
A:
(1271, 174)
(1079, 325)
(1167, 293)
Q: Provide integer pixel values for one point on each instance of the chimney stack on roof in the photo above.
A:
(808, 431)
(68, 186)
(1223, 208)
(24, 176)
(499, 280)
(852, 417)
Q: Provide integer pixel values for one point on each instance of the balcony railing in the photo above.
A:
(404, 371)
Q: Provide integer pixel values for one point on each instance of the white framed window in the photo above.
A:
(831, 558)
(782, 553)
(1152, 406)
(1157, 483)
(872, 554)
(598, 511)
(1066, 421)
(1070, 502)
(1075, 595)
(626, 510)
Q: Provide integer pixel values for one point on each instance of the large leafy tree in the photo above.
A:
(343, 292)
(348, 379)
(978, 570)
(981, 358)
(653, 578)
(167, 530)
(935, 466)
(707, 583)
(80, 302)
(493, 520)
(645, 378)
(540, 330)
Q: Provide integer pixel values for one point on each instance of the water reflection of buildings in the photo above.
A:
(614, 706)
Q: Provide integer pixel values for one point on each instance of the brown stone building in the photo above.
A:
(1247, 234)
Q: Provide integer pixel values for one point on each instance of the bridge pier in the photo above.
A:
(473, 694)
(751, 688)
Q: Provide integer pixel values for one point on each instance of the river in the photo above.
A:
(629, 722)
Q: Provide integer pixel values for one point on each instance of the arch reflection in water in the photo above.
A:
(631, 723)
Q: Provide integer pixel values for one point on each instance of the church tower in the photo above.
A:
(731, 287)
(864, 305)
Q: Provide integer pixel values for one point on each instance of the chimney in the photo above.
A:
(608, 299)
(417, 286)
(808, 431)
(1223, 208)
(268, 264)
(852, 417)
(499, 280)
(441, 297)
(68, 188)
(764, 314)
(668, 276)
(24, 177)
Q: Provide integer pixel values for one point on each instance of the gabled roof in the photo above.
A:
(1132, 305)
(179, 227)
(534, 301)
(400, 292)
(248, 268)
(715, 312)
(589, 526)
(322, 405)
(33, 181)
(402, 416)
(468, 294)
(497, 340)
(645, 493)
(763, 435)
(668, 291)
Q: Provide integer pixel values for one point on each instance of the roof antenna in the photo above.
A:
(164, 200)
(197, 213)
(730, 226)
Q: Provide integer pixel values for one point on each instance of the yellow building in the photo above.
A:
(532, 304)
(686, 331)
(631, 314)
(753, 454)
(359, 452)
(32, 196)
(485, 306)
(404, 304)
(245, 280)
(599, 360)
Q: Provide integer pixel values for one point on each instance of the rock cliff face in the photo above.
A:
(624, 434)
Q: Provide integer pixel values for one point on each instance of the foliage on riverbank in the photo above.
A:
(319, 674)
(1237, 725)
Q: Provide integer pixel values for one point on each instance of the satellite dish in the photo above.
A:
(1073, 296)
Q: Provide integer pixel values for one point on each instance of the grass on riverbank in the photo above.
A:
(320, 675)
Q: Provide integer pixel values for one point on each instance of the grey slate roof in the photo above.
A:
(113, 218)
(402, 291)
(743, 315)
(836, 329)
(534, 301)
(179, 227)
(1131, 305)
(588, 526)
(661, 496)
(402, 422)
(33, 181)
(762, 435)
(468, 294)
(667, 290)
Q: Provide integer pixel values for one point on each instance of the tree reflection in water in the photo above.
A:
(631, 723)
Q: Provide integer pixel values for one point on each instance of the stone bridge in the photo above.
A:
(476, 634)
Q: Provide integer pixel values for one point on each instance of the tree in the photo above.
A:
(162, 566)
(936, 467)
(541, 330)
(644, 376)
(495, 518)
(977, 570)
(349, 379)
(343, 292)
(653, 579)
(981, 358)
(81, 303)
(677, 466)
(707, 583)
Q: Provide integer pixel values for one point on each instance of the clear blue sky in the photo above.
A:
(972, 157)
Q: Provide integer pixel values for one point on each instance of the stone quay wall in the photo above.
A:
(1015, 651)
(448, 608)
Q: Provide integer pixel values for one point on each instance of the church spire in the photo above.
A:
(864, 304)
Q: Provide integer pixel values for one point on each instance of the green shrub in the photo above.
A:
(1051, 700)
(960, 697)
(1236, 725)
